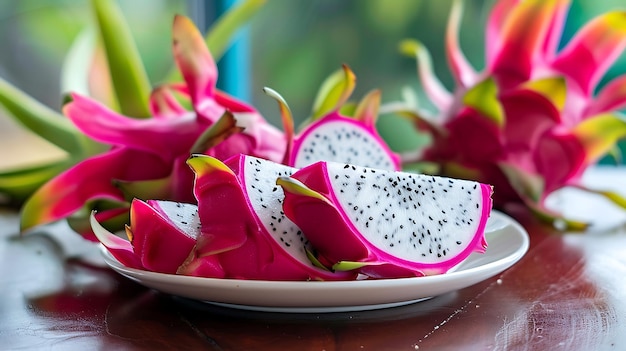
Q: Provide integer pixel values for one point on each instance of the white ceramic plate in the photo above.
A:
(507, 240)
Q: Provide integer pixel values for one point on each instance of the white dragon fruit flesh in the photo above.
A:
(387, 224)
(245, 234)
(160, 236)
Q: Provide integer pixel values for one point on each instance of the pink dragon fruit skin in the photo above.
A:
(362, 231)
(120, 248)
(161, 235)
(234, 241)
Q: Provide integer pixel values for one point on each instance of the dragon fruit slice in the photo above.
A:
(161, 235)
(387, 224)
(342, 139)
(245, 234)
(336, 137)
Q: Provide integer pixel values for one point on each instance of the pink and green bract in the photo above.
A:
(531, 122)
(147, 157)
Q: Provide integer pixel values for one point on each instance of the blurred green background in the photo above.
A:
(293, 46)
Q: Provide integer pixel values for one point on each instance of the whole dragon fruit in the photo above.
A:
(385, 223)
(160, 236)
(531, 122)
(245, 234)
(146, 157)
(332, 136)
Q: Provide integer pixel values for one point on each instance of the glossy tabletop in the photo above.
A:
(567, 293)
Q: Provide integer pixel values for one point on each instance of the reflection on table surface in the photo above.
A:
(567, 293)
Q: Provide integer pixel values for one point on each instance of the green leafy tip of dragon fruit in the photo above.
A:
(531, 122)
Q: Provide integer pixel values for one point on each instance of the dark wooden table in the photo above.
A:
(567, 293)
